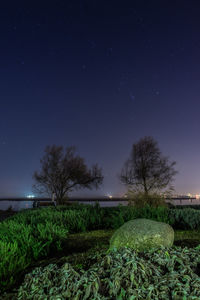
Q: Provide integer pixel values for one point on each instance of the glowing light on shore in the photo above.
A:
(30, 196)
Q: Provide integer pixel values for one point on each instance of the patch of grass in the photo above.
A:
(187, 234)
(38, 233)
(22, 243)
(81, 242)
(187, 238)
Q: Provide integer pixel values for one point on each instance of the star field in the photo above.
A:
(98, 75)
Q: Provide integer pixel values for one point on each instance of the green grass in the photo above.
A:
(81, 249)
(48, 233)
(187, 234)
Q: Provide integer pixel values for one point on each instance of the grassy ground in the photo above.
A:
(187, 238)
(78, 249)
(80, 246)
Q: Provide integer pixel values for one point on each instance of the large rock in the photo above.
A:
(143, 234)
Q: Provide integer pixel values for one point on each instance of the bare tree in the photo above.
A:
(62, 171)
(147, 169)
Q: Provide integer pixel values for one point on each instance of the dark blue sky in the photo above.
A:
(98, 75)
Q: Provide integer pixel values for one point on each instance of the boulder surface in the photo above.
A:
(143, 234)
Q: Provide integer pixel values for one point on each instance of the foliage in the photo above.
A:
(81, 218)
(147, 169)
(124, 274)
(63, 171)
(140, 199)
(33, 234)
(181, 235)
(115, 217)
(187, 218)
(194, 206)
(21, 243)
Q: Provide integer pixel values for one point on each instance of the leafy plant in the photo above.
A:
(187, 218)
(21, 244)
(32, 234)
(125, 274)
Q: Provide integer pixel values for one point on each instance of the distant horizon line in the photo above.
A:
(96, 198)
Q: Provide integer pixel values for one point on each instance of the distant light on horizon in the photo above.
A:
(109, 196)
(30, 196)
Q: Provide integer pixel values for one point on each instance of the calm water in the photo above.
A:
(18, 205)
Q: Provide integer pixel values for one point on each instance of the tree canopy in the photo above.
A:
(147, 169)
(62, 171)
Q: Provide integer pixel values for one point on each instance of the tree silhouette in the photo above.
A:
(62, 171)
(147, 170)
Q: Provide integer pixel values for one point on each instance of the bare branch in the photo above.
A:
(63, 171)
(147, 169)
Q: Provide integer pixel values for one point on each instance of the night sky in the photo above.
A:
(99, 75)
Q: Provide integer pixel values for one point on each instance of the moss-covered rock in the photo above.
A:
(142, 234)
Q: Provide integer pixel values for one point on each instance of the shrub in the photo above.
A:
(124, 274)
(194, 206)
(116, 217)
(21, 243)
(187, 218)
(32, 234)
(142, 199)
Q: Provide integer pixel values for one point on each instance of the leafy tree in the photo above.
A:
(62, 171)
(147, 170)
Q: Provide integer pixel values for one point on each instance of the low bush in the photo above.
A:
(124, 274)
(194, 206)
(187, 218)
(21, 244)
(113, 218)
(76, 220)
(141, 199)
(32, 234)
